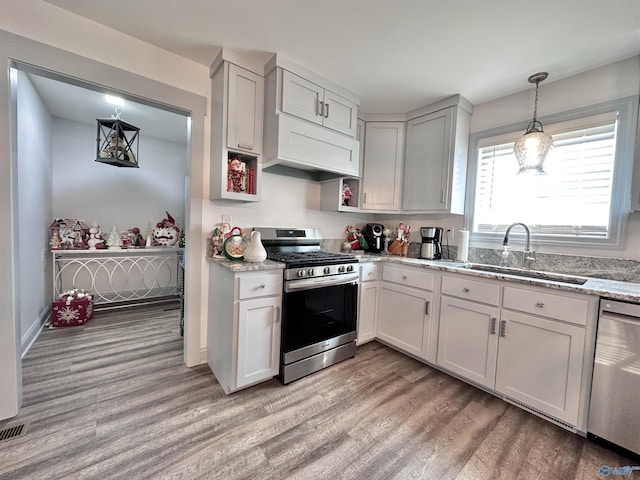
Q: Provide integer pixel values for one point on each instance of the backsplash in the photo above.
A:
(597, 267)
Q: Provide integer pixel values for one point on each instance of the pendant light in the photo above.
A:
(117, 142)
(532, 148)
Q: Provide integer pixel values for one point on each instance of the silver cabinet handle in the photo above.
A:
(444, 196)
(364, 197)
(245, 146)
(492, 327)
(466, 290)
(277, 314)
(503, 328)
(426, 311)
(320, 112)
(539, 305)
(326, 112)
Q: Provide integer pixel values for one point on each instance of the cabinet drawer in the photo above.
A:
(559, 307)
(259, 286)
(410, 277)
(369, 272)
(461, 287)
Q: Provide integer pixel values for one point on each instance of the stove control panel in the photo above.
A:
(315, 272)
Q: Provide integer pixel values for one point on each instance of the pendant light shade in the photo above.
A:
(534, 146)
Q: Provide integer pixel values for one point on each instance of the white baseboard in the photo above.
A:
(36, 327)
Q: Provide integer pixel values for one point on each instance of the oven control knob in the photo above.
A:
(310, 272)
(341, 268)
(350, 268)
(327, 270)
(302, 273)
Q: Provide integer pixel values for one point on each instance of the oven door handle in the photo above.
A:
(309, 283)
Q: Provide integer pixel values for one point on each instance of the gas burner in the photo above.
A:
(307, 259)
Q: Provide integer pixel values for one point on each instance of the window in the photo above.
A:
(584, 197)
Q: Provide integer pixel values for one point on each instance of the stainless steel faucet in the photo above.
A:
(526, 254)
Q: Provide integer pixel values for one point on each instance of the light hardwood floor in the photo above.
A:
(113, 400)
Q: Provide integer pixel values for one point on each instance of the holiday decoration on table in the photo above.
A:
(69, 233)
(114, 241)
(95, 241)
(72, 308)
(166, 233)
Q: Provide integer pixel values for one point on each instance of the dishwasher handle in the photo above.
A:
(631, 311)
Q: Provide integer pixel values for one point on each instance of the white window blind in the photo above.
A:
(572, 200)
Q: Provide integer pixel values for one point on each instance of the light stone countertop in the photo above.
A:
(614, 289)
(237, 266)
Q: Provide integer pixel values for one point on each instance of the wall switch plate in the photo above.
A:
(450, 232)
(226, 219)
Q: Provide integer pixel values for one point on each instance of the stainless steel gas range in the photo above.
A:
(319, 306)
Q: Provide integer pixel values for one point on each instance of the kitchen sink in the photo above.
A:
(520, 272)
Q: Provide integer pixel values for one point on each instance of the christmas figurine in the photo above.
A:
(114, 241)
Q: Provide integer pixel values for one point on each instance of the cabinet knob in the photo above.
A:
(466, 290)
(404, 277)
(539, 305)
(261, 286)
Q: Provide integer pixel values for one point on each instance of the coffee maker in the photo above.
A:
(373, 235)
(431, 247)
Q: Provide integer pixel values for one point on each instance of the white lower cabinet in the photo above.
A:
(368, 292)
(468, 342)
(540, 364)
(530, 346)
(405, 310)
(243, 329)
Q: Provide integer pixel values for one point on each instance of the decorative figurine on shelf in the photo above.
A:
(166, 233)
(346, 194)
(95, 241)
(68, 238)
(54, 242)
(237, 172)
(352, 237)
(114, 241)
(138, 241)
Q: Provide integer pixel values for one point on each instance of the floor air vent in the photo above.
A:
(537, 412)
(13, 432)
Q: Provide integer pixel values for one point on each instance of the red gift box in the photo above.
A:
(71, 312)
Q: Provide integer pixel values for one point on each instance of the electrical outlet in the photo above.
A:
(226, 219)
(451, 233)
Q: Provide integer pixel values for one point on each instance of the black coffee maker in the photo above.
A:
(373, 235)
(431, 247)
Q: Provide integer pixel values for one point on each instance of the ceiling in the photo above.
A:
(85, 105)
(398, 55)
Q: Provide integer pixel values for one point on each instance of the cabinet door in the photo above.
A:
(404, 318)
(301, 98)
(428, 162)
(540, 364)
(340, 114)
(245, 110)
(367, 311)
(258, 340)
(382, 174)
(468, 339)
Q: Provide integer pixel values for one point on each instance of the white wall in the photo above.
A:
(34, 210)
(286, 202)
(108, 195)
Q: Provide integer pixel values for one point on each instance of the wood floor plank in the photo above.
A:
(113, 400)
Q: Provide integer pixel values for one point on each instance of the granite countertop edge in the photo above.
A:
(617, 290)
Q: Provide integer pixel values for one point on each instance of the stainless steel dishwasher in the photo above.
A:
(615, 396)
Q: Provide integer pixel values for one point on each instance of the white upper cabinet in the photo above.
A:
(237, 113)
(313, 103)
(382, 169)
(245, 110)
(435, 164)
(309, 123)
